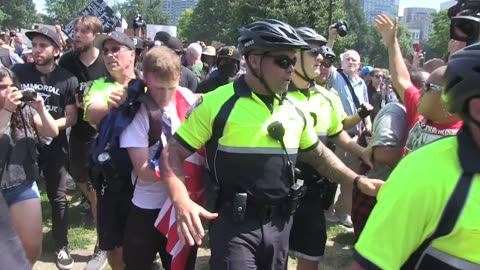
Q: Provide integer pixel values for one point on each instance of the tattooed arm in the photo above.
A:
(171, 168)
(330, 166)
(188, 213)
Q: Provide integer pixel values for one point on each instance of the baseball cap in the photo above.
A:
(119, 37)
(229, 52)
(366, 70)
(174, 43)
(138, 42)
(45, 32)
(209, 51)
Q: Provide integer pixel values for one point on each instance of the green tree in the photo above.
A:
(437, 44)
(151, 11)
(183, 24)
(221, 20)
(211, 20)
(18, 14)
(377, 54)
(67, 10)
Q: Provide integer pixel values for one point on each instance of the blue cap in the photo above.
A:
(365, 70)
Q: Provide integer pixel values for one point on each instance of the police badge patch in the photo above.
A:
(194, 106)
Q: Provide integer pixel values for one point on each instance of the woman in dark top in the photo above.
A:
(21, 125)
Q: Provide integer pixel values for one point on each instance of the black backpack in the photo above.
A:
(117, 171)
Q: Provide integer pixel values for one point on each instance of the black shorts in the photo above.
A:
(79, 159)
(309, 234)
(112, 213)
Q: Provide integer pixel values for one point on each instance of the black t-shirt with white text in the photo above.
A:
(71, 62)
(56, 88)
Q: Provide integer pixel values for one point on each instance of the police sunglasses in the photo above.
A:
(432, 87)
(283, 61)
(326, 63)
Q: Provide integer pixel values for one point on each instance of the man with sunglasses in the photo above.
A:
(105, 93)
(252, 133)
(427, 211)
(427, 116)
(308, 236)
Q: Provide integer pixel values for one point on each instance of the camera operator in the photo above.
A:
(87, 64)
(57, 87)
(18, 160)
(139, 26)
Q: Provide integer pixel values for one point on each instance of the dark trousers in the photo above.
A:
(53, 160)
(251, 244)
(143, 241)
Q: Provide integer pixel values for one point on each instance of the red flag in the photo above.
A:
(166, 222)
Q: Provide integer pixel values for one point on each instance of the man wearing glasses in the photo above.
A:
(252, 133)
(427, 117)
(105, 93)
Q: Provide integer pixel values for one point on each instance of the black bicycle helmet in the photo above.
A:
(462, 78)
(311, 36)
(269, 35)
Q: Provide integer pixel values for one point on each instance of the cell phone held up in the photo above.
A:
(416, 47)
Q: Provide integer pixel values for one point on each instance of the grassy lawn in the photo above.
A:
(82, 239)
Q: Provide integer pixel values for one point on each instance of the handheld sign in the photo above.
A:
(99, 9)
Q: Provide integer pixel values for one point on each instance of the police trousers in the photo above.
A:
(255, 243)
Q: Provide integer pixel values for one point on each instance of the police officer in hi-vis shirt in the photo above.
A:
(253, 135)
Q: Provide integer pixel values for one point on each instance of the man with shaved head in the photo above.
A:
(428, 118)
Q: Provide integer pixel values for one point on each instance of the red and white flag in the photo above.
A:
(166, 222)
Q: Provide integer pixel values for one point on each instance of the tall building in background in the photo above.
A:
(372, 8)
(447, 4)
(174, 8)
(419, 22)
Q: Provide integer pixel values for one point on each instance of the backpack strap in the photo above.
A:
(154, 119)
(449, 218)
(352, 91)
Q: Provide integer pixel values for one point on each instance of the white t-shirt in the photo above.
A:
(147, 194)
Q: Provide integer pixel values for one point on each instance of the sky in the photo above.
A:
(403, 3)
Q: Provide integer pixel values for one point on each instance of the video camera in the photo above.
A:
(342, 28)
(465, 21)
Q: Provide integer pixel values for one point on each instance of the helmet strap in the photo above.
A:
(304, 76)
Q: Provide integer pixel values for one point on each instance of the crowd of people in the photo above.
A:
(270, 132)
